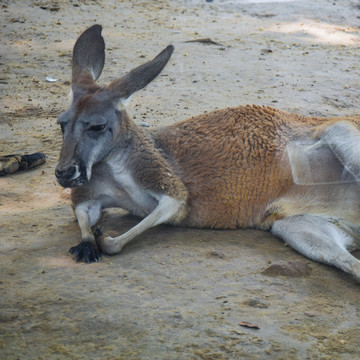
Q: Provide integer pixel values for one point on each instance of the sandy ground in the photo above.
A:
(172, 293)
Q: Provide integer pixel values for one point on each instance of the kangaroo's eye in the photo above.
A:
(97, 127)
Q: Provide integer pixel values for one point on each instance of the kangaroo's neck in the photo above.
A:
(136, 152)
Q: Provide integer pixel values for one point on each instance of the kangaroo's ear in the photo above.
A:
(121, 89)
(88, 55)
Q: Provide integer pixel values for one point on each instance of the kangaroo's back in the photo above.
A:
(233, 163)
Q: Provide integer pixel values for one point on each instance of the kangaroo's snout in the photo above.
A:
(70, 175)
(68, 172)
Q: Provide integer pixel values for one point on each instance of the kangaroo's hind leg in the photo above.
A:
(343, 138)
(321, 239)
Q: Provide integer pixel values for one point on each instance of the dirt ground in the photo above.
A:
(172, 293)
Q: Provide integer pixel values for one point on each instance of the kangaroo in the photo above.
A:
(243, 167)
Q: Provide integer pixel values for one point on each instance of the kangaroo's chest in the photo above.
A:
(122, 186)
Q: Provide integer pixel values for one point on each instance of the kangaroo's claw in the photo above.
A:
(86, 251)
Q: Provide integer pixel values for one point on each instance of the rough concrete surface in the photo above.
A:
(172, 293)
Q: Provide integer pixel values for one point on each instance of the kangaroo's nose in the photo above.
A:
(67, 172)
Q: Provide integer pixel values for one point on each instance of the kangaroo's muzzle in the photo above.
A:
(71, 175)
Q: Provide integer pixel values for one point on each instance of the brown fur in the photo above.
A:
(233, 166)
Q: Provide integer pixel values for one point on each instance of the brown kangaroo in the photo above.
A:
(244, 167)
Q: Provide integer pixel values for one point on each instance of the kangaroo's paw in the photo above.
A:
(86, 251)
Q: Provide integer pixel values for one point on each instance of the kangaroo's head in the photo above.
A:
(92, 125)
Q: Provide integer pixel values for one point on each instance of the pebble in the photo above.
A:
(218, 254)
(310, 313)
(256, 303)
(144, 124)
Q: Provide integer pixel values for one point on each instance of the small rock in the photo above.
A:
(256, 303)
(144, 124)
(50, 79)
(249, 325)
(218, 254)
(237, 332)
(266, 51)
(51, 5)
(294, 268)
(310, 313)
